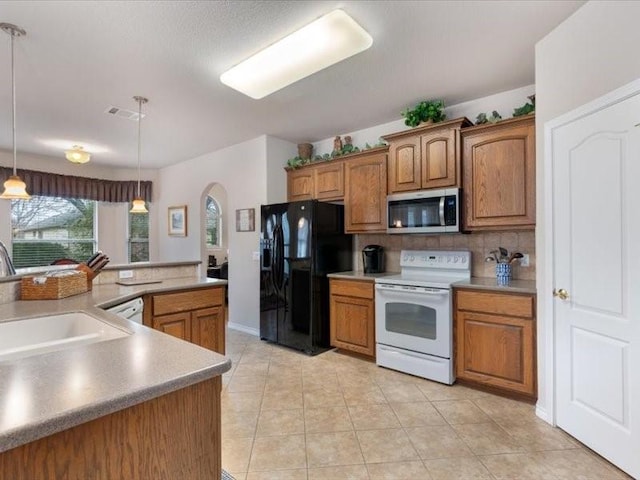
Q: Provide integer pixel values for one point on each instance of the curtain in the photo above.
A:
(69, 186)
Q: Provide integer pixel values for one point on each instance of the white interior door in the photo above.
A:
(596, 208)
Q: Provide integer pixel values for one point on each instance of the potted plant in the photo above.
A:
(426, 111)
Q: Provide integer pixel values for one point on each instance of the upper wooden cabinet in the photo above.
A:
(321, 181)
(499, 175)
(425, 157)
(329, 181)
(300, 184)
(365, 199)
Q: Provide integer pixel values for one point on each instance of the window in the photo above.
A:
(45, 229)
(214, 223)
(138, 237)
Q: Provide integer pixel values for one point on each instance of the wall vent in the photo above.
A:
(123, 113)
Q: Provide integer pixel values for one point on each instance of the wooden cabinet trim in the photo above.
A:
(514, 305)
(352, 288)
(188, 300)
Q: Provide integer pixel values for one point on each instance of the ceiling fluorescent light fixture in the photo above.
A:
(318, 45)
(77, 154)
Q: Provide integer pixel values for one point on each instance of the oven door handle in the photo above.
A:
(408, 289)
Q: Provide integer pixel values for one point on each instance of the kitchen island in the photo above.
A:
(142, 406)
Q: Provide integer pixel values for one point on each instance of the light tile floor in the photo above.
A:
(288, 416)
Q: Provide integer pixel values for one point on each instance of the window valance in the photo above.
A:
(69, 186)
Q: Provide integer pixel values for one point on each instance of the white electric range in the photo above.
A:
(414, 324)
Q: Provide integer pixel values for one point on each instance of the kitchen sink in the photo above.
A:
(37, 335)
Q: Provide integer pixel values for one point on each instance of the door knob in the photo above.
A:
(562, 294)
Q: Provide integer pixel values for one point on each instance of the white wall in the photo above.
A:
(112, 217)
(593, 52)
(278, 152)
(242, 171)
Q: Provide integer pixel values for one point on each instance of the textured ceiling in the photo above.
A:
(80, 57)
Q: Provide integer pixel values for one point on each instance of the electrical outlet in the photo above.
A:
(256, 256)
(125, 274)
(524, 261)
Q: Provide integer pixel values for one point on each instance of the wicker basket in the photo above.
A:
(53, 288)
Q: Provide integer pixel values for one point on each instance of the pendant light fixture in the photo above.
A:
(77, 154)
(138, 205)
(14, 187)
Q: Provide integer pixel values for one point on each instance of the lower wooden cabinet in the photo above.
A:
(352, 314)
(196, 315)
(495, 340)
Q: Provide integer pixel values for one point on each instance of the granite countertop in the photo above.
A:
(359, 275)
(489, 283)
(51, 392)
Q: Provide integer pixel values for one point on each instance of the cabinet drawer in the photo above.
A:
(352, 288)
(186, 301)
(498, 303)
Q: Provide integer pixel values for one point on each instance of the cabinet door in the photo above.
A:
(352, 315)
(300, 184)
(499, 176)
(176, 324)
(440, 159)
(207, 328)
(404, 165)
(329, 181)
(495, 350)
(365, 201)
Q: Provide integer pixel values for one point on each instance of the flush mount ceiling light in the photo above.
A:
(77, 154)
(318, 45)
(138, 206)
(14, 187)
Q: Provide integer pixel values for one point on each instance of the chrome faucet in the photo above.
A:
(6, 265)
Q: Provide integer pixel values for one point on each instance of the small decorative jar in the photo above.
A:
(503, 273)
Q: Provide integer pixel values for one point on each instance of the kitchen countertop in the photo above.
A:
(489, 283)
(516, 286)
(51, 392)
(359, 275)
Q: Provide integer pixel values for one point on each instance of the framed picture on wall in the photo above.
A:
(178, 221)
(245, 220)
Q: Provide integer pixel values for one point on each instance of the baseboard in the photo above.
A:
(243, 328)
(542, 414)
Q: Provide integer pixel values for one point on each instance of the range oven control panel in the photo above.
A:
(456, 260)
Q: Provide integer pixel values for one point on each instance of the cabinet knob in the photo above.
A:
(562, 294)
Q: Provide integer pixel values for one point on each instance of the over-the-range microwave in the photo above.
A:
(425, 211)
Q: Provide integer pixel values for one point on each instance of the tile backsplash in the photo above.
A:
(479, 244)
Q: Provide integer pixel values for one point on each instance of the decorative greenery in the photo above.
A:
(482, 118)
(527, 108)
(423, 112)
(347, 148)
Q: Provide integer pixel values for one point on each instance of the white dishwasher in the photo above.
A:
(131, 310)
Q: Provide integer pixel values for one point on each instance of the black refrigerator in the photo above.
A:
(300, 243)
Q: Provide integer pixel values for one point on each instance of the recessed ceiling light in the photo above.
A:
(320, 44)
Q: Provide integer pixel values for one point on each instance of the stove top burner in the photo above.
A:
(430, 268)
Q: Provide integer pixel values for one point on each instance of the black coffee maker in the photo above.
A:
(373, 259)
